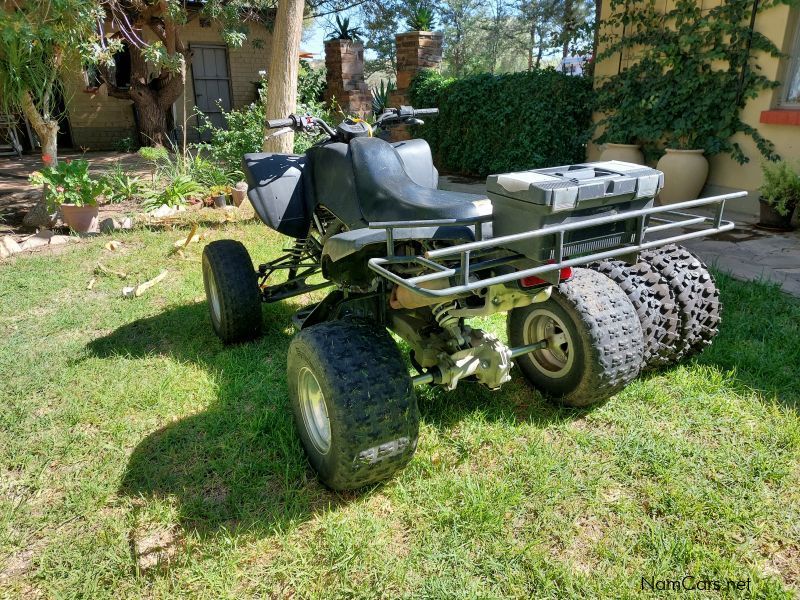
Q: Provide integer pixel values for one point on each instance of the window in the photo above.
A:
(119, 73)
(791, 84)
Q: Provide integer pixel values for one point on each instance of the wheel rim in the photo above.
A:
(557, 358)
(213, 297)
(314, 409)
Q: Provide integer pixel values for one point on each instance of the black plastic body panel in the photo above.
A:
(284, 189)
(333, 177)
(276, 190)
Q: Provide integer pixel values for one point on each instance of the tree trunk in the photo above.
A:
(569, 27)
(152, 119)
(531, 44)
(46, 129)
(152, 98)
(283, 67)
(540, 52)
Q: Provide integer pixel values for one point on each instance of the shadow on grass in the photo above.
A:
(239, 464)
(759, 339)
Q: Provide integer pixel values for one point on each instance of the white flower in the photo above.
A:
(262, 73)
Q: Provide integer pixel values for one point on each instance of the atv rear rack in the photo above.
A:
(472, 259)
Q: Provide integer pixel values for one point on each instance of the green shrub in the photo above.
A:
(69, 182)
(127, 144)
(176, 193)
(499, 123)
(244, 131)
(781, 186)
(122, 185)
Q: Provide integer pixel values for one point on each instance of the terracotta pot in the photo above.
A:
(630, 153)
(220, 201)
(81, 219)
(685, 173)
(773, 220)
(239, 193)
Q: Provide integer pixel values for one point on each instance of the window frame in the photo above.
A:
(792, 68)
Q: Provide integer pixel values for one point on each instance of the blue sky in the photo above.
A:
(313, 39)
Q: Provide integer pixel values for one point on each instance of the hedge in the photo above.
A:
(500, 123)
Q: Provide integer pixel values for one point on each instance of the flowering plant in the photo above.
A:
(69, 182)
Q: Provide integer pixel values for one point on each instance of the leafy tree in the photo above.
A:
(158, 68)
(538, 21)
(380, 25)
(39, 41)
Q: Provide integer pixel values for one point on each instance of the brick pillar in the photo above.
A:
(416, 50)
(344, 63)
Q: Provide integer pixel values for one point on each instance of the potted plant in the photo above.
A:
(69, 187)
(689, 74)
(626, 122)
(219, 195)
(780, 195)
(421, 18)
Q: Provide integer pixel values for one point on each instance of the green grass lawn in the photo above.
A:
(140, 457)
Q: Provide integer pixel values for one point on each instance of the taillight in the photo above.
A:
(532, 280)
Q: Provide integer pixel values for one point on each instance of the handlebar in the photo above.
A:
(278, 123)
(406, 114)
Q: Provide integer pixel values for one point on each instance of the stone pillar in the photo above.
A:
(416, 50)
(344, 63)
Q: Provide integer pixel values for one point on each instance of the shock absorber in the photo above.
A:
(448, 322)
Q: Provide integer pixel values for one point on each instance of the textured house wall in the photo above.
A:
(778, 24)
(97, 121)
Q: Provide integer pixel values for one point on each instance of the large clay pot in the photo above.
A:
(81, 219)
(630, 153)
(685, 173)
(771, 219)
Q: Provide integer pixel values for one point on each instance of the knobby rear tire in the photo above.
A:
(604, 345)
(696, 295)
(655, 306)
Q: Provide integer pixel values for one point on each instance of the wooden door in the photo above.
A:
(212, 83)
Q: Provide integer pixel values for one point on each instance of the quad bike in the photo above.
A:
(593, 296)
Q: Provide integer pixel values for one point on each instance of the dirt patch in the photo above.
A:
(783, 560)
(579, 550)
(17, 564)
(153, 548)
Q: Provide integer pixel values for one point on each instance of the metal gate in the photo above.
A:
(212, 83)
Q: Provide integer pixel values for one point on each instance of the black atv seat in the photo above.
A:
(387, 193)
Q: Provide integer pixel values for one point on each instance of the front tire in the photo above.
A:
(353, 402)
(595, 340)
(231, 284)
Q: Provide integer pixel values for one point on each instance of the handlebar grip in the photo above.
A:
(277, 123)
(426, 111)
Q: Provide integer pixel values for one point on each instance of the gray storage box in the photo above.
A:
(530, 200)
